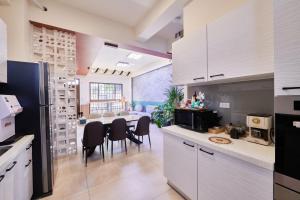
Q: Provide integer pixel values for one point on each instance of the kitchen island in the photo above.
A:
(200, 169)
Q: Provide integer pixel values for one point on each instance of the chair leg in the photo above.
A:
(139, 144)
(106, 144)
(125, 146)
(112, 148)
(82, 151)
(102, 151)
(149, 140)
(142, 138)
(85, 157)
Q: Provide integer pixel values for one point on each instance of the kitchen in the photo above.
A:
(242, 78)
(234, 136)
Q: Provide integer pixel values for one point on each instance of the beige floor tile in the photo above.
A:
(84, 195)
(135, 176)
(169, 195)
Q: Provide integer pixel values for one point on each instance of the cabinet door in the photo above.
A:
(9, 181)
(224, 177)
(28, 179)
(180, 165)
(2, 183)
(189, 58)
(3, 52)
(287, 47)
(240, 43)
(19, 182)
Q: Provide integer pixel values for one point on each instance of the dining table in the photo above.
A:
(107, 121)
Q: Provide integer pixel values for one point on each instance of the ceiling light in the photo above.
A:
(122, 64)
(135, 56)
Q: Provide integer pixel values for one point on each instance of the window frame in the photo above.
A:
(104, 100)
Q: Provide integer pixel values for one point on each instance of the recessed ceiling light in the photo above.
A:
(122, 64)
(135, 56)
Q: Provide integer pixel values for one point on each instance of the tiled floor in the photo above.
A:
(135, 176)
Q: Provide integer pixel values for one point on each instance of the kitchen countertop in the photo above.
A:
(259, 155)
(13, 152)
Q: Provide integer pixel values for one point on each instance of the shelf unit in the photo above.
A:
(58, 48)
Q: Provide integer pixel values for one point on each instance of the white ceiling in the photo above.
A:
(128, 12)
(108, 57)
(169, 31)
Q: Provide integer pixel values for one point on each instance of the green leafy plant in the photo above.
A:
(164, 114)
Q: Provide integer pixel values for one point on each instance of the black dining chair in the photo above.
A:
(117, 132)
(142, 128)
(93, 135)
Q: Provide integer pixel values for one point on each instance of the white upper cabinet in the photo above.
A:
(240, 44)
(287, 47)
(190, 58)
(3, 52)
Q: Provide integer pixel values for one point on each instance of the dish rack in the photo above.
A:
(58, 49)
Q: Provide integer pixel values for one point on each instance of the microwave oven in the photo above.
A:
(196, 120)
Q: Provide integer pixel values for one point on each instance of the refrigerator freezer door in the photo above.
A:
(45, 149)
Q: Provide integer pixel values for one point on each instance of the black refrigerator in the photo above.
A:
(30, 82)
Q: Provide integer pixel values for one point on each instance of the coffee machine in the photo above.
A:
(260, 126)
(9, 108)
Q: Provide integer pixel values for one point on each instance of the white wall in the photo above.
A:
(200, 12)
(85, 81)
(18, 30)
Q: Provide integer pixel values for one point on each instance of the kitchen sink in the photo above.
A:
(4, 149)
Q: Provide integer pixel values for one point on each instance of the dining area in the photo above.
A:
(109, 129)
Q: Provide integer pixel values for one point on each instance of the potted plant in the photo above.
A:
(164, 113)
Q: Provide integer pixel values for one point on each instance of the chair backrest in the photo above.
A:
(142, 127)
(118, 129)
(108, 114)
(124, 113)
(94, 134)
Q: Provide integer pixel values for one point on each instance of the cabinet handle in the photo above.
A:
(27, 148)
(216, 75)
(187, 144)
(1, 177)
(200, 78)
(210, 153)
(14, 164)
(290, 88)
(28, 163)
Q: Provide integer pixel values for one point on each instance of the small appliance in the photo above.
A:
(260, 126)
(287, 152)
(196, 120)
(9, 108)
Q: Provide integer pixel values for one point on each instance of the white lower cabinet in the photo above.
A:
(227, 178)
(9, 181)
(201, 173)
(16, 181)
(180, 166)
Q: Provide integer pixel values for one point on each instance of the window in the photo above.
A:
(105, 97)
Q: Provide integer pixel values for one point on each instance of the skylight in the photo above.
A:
(122, 64)
(135, 56)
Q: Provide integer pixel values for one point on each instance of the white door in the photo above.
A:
(287, 47)
(3, 52)
(180, 165)
(224, 177)
(189, 58)
(240, 43)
